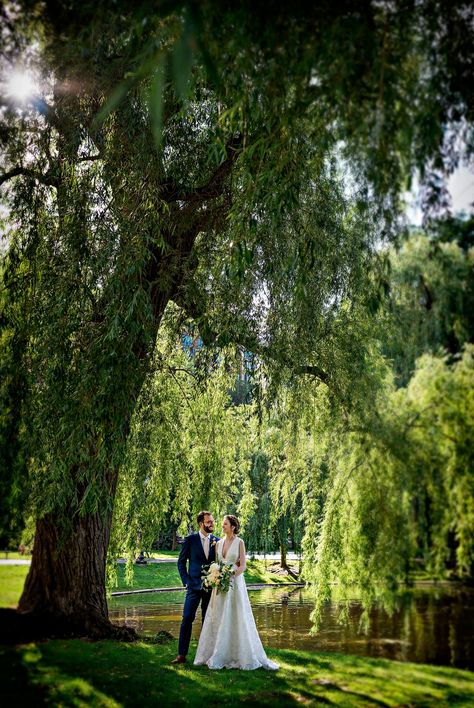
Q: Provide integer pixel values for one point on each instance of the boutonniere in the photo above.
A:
(213, 543)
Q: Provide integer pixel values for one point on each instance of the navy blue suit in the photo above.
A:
(190, 562)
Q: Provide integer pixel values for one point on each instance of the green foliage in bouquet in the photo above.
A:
(219, 575)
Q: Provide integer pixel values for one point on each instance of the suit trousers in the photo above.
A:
(191, 604)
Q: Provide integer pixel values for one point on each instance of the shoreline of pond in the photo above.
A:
(259, 586)
(252, 586)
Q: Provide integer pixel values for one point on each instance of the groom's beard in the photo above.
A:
(208, 529)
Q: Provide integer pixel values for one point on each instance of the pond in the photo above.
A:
(433, 623)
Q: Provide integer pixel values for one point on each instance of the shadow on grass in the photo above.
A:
(15, 686)
(106, 673)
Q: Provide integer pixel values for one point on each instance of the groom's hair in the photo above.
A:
(201, 515)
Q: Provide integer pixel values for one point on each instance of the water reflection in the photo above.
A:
(432, 623)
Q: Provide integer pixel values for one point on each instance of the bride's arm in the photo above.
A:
(241, 564)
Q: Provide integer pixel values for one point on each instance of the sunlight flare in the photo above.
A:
(21, 85)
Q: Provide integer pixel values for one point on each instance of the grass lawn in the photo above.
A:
(109, 674)
(154, 575)
(12, 579)
(14, 555)
(165, 575)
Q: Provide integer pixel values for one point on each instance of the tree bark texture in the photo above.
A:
(64, 593)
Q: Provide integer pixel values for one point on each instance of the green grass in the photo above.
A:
(165, 575)
(164, 554)
(14, 555)
(159, 555)
(12, 579)
(79, 673)
(154, 575)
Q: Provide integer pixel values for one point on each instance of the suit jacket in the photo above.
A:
(192, 558)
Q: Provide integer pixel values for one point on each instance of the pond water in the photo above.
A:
(432, 623)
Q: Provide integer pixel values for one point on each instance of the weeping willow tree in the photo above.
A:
(238, 166)
(398, 490)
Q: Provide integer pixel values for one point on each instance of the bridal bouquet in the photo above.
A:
(219, 575)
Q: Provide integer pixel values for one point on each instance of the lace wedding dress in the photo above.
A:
(229, 638)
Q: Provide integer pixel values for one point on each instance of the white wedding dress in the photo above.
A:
(229, 637)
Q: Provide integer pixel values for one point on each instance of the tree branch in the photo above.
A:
(213, 188)
(181, 244)
(315, 371)
(209, 337)
(47, 178)
(89, 158)
(174, 369)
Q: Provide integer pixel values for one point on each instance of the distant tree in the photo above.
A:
(256, 505)
(432, 295)
(452, 229)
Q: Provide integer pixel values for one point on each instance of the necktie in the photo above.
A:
(205, 545)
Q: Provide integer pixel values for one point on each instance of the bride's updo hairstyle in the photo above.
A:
(234, 522)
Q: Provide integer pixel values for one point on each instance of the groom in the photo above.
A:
(198, 549)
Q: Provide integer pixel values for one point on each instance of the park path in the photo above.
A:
(14, 561)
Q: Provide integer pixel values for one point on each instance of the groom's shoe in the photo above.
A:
(180, 659)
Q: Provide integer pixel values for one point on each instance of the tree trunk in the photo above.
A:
(64, 593)
(174, 541)
(283, 561)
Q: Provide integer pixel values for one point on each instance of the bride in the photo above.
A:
(229, 637)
